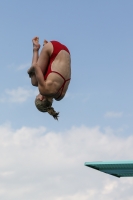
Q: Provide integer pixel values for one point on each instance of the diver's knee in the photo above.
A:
(34, 82)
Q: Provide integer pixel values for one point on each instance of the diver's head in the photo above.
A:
(43, 104)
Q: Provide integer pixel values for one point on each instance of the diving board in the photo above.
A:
(114, 168)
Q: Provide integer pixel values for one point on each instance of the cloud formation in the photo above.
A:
(38, 164)
(24, 66)
(18, 95)
(113, 114)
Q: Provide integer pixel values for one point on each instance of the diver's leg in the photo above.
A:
(34, 61)
(44, 57)
(39, 68)
(36, 47)
(31, 71)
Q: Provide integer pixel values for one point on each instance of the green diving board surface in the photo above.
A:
(114, 168)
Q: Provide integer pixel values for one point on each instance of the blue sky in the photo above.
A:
(99, 35)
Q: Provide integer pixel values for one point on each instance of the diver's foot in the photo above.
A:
(36, 45)
(45, 42)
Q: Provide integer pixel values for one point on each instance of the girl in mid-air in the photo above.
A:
(51, 73)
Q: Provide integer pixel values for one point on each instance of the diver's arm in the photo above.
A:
(45, 87)
(35, 56)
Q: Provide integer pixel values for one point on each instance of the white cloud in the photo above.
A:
(18, 95)
(114, 114)
(20, 67)
(23, 66)
(37, 164)
(2, 99)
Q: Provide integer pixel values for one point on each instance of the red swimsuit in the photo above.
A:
(57, 47)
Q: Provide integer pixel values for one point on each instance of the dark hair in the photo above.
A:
(45, 106)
